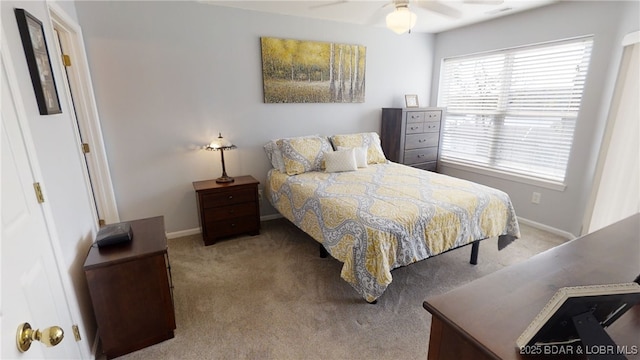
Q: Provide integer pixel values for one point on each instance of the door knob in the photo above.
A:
(50, 336)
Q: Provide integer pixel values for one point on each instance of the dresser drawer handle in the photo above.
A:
(414, 128)
(421, 140)
(232, 211)
(230, 197)
(233, 225)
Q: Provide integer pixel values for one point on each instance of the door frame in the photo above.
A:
(80, 90)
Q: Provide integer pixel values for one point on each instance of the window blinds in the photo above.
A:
(515, 110)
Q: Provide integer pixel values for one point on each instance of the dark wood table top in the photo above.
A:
(149, 238)
(494, 310)
(212, 184)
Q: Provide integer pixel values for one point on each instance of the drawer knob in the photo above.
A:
(233, 225)
(230, 197)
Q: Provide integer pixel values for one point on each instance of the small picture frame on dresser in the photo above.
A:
(411, 101)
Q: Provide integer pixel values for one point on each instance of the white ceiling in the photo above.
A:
(373, 12)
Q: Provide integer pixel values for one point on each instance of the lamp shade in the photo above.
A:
(220, 143)
(401, 20)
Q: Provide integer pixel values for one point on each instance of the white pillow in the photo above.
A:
(341, 160)
(275, 155)
(361, 155)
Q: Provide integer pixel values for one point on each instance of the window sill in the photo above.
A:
(547, 184)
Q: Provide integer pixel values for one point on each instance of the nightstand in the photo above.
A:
(131, 289)
(228, 209)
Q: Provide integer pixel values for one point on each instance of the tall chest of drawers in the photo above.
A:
(228, 209)
(411, 136)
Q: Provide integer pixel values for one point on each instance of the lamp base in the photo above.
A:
(225, 179)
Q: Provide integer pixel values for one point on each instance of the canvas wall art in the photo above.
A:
(298, 71)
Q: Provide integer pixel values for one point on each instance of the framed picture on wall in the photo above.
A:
(411, 101)
(37, 54)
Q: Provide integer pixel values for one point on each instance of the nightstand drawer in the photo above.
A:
(235, 226)
(229, 197)
(230, 211)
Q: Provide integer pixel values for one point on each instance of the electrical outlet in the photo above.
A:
(536, 197)
(260, 194)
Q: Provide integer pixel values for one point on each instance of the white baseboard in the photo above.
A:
(544, 227)
(181, 233)
(194, 231)
(270, 217)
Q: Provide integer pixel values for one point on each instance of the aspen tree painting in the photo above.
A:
(296, 71)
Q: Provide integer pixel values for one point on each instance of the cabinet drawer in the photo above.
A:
(414, 128)
(228, 197)
(230, 211)
(421, 140)
(415, 116)
(420, 155)
(433, 115)
(432, 126)
(232, 227)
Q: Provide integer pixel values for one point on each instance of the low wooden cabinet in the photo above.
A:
(411, 136)
(131, 289)
(228, 209)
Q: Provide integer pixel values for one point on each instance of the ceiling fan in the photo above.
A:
(402, 20)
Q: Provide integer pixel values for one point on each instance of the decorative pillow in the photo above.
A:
(275, 155)
(341, 160)
(371, 141)
(303, 154)
(360, 153)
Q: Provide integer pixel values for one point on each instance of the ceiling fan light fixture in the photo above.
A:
(401, 20)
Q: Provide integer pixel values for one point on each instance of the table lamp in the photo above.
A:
(221, 144)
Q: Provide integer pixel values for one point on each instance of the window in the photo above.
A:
(515, 110)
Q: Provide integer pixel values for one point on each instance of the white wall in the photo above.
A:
(608, 21)
(169, 76)
(62, 165)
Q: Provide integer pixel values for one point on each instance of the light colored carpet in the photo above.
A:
(272, 297)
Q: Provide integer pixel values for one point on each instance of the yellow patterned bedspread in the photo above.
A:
(389, 215)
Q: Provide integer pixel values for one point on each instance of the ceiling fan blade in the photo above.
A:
(333, 3)
(440, 8)
(377, 16)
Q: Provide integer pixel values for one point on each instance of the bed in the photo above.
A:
(375, 216)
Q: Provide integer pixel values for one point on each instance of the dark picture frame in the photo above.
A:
(37, 54)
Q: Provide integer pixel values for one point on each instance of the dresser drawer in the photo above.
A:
(433, 115)
(420, 155)
(230, 211)
(432, 126)
(429, 166)
(414, 128)
(235, 196)
(417, 141)
(415, 116)
(234, 226)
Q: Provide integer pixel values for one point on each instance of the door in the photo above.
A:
(32, 290)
